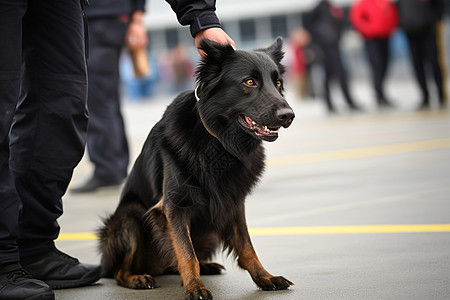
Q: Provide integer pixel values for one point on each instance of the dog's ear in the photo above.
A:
(209, 70)
(215, 51)
(276, 53)
(276, 50)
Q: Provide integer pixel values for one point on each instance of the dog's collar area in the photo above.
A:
(200, 115)
(195, 93)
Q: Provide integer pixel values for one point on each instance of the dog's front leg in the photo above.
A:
(187, 261)
(248, 260)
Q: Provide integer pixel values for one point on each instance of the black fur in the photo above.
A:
(185, 195)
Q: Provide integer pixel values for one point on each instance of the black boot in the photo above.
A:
(354, 107)
(424, 105)
(16, 283)
(95, 183)
(383, 103)
(60, 270)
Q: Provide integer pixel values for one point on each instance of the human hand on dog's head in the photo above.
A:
(214, 34)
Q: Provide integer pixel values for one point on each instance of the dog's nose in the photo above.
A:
(286, 116)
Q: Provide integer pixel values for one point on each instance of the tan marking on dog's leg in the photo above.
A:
(159, 205)
(125, 278)
(188, 265)
(248, 260)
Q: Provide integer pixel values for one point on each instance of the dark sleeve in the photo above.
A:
(439, 8)
(139, 5)
(314, 16)
(198, 14)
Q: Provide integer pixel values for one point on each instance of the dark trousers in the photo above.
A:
(334, 70)
(424, 55)
(43, 119)
(106, 141)
(378, 53)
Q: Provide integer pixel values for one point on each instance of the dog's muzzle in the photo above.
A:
(285, 116)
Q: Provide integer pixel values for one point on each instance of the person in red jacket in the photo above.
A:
(375, 20)
(298, 40)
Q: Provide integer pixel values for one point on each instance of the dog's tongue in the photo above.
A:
(249, 121)
(259, 129)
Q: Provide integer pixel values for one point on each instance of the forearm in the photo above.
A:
(137, 17)
(198, 14)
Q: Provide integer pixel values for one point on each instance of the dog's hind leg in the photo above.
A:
(126, 278)
(121, 241)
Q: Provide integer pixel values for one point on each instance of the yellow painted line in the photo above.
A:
(76, 236)
(350, 229)
(360, 152)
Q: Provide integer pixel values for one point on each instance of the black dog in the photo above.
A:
(185, 194)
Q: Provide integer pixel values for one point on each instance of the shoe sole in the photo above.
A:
(45, 296)
(88, 279)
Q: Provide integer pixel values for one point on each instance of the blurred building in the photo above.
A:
(255, 23)
(249, 23)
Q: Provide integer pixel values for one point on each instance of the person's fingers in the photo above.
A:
(136, 37)
(214, 34)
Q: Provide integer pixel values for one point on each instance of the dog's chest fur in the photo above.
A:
(208, 169)
(217, 161)
(203, 155)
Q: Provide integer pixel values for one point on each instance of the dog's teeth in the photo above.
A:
(253, 123)
(266, 129)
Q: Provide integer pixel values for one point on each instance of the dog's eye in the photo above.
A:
(250, 82)
(278, 83)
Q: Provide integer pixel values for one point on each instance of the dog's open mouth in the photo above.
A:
(267, 133)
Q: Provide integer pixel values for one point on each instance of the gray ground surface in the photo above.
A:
(375, 168)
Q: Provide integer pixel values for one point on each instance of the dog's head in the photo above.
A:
(240, 93)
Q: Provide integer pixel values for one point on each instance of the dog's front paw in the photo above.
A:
(197, 292)
(273, 283)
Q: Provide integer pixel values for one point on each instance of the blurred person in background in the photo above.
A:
(298, 39)
(325, 24)
(112, 25)
(375, 20)
(420, 19)
(183, 69)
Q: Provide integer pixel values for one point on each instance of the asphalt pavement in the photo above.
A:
(351, 206)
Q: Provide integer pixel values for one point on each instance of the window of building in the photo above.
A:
(172, 38)
(247, 30)
(278, 25)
